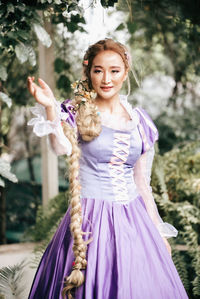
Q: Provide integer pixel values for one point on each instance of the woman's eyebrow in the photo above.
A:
(114, 66)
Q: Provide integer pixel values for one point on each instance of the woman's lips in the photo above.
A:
(106, 88)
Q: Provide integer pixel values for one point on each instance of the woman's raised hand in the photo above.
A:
(42, 92)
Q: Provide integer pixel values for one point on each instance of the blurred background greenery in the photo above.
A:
(163, 38)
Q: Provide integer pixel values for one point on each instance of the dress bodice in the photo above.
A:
(107, 162)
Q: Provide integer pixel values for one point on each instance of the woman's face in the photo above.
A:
(107, 74)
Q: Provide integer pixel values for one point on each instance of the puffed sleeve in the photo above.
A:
(42, 127)
(142, 173)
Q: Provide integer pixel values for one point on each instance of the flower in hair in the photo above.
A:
(128, 57)
(85, 62)
(82, 90)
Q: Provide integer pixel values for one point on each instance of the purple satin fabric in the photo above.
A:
(67, 108)
(127, 258)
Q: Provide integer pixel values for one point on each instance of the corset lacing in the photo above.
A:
(116, 166)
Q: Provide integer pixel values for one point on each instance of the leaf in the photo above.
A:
(5, 98)
(10, 8)
(72, 7)
(21, 52)
(21, 6)
(3, 73)
(11, 281)
(72, 27)
(42, 35)
(5, 171)
(31, 56)
(23, 35)
(2, 183)
(132, 27)
(120, 27)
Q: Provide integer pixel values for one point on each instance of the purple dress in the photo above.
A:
(127, 258)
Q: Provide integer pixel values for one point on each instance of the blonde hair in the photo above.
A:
(89, 126)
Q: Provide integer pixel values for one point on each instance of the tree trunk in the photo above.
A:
(49, 159)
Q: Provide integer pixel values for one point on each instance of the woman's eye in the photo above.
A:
(115, 71)
(97, 71)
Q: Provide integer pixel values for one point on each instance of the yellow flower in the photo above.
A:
(73, 85)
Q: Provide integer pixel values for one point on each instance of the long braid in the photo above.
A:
(76, 278)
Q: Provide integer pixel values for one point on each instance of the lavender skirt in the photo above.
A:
(127, 258)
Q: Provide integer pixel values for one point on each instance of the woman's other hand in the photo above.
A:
(168, 246)
(42, 92)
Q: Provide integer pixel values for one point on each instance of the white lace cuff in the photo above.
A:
(167, 230)
(43, 127)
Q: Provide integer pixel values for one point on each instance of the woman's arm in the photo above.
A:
(142, 176)
(48, 120)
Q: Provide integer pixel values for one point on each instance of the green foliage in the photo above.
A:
(183, 181)
(60, 65)
(63, 83)
(22, 201)
(180, 261)
(47, 222)
(16, 32)
(21, 22)
(178, 126)
(48, 217)
(164, 40)
(174, 25)
(176, 189)
(21, 25)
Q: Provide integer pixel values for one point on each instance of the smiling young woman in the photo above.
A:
(107, 76)
(111, 242)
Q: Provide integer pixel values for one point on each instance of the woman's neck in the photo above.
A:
(111, 105)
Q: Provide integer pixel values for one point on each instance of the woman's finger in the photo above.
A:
(30, 85)
(43, 84)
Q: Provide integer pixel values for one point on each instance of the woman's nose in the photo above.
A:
(106, 78)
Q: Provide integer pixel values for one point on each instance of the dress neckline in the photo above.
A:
(121, 124)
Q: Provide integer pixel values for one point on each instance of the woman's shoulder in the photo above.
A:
(146, 126)
(138, 113)
(145, 119)
(147, 129)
